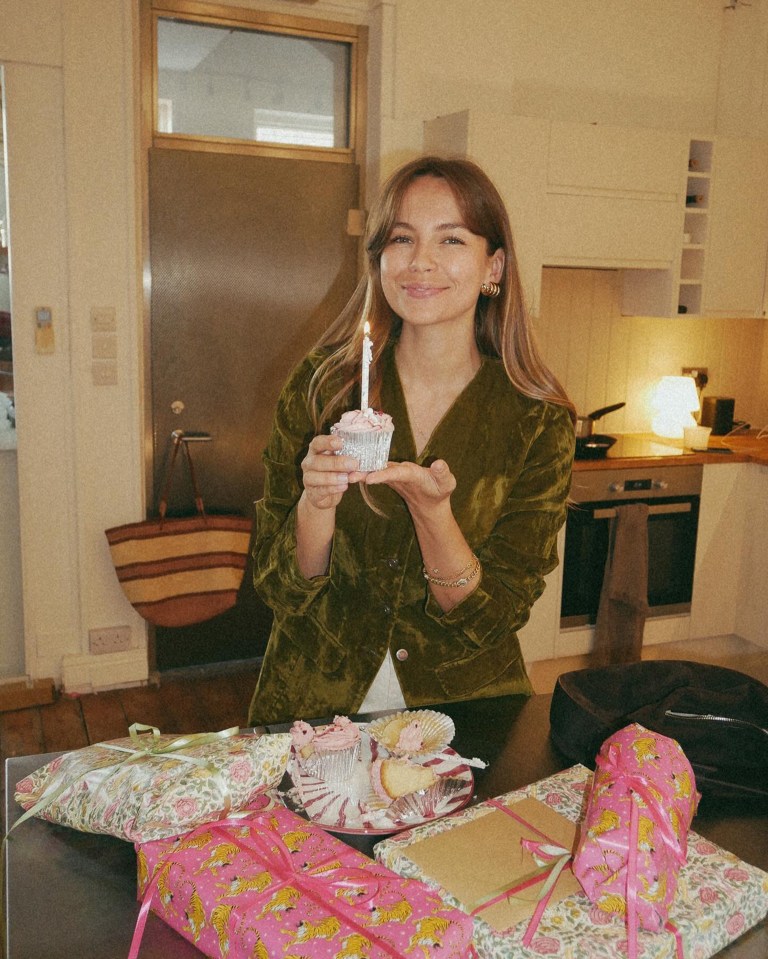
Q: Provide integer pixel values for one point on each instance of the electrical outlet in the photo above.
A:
(699, 373)
(109, 639)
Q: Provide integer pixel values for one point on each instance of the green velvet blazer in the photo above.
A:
(511, 456)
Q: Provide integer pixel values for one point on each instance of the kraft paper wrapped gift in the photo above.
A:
(151, 786)
(718, 896)
(269, 883)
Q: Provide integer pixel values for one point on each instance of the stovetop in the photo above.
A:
(629, 445)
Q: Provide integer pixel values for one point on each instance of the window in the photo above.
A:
(231, 82)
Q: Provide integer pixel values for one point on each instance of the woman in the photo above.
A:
(422, 582)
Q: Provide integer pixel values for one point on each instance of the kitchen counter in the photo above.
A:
(633, 450)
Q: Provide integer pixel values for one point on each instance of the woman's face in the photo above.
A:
(432, 266)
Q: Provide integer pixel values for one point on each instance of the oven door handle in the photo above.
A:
(653, 510)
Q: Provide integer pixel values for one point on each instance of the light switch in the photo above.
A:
(104, 346)
(104, 373)
(103, 319)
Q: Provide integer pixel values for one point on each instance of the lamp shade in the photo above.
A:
(675, 399)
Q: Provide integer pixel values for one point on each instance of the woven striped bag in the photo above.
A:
(180, 571)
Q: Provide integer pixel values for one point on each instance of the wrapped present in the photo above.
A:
(269, 883)
(634, 837)
(151, 786)
(718, 896)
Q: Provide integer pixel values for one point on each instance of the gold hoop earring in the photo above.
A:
(490, 289)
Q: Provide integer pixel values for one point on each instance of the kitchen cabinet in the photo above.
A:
(685, 220)
(539, 636)
(723, 515)
(752, 608)
(617, 160)
(513, 152)
(613, 197)
(734, 274)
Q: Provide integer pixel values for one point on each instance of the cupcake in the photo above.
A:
(335, 751)
(366, 436)
(302, 740)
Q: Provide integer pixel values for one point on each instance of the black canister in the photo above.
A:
(717, 412)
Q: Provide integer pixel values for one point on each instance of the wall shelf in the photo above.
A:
(695, 226)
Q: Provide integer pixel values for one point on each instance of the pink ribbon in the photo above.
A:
(279, 858)
(635, 782)
(639, 786)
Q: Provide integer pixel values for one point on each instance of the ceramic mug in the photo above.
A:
(696, 437)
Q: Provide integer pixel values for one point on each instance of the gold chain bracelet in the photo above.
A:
(471, 569)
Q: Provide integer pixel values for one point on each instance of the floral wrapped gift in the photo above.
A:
(718, 896)
(151, 786)
(269, 883)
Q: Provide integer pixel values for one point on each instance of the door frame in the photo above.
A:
(356, 35)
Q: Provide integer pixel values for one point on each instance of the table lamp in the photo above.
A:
(674, 400)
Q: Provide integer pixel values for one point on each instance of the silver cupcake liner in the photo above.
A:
(371, 448)
(424, 803)
(336, 766)
(437, 731)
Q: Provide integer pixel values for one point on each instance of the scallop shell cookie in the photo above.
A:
(413, 733)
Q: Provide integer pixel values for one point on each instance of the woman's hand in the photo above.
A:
(327, 476)
(424, 489)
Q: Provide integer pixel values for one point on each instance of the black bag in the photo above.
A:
(719, 716)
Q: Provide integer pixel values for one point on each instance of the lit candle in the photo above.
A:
(367, 357)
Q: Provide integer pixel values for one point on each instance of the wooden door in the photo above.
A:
(250, 261)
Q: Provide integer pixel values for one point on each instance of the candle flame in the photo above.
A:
(366, 328)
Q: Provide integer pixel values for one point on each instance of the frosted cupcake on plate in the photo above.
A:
(330, 752)
(367, 436)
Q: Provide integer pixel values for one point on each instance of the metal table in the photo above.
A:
(73, 894)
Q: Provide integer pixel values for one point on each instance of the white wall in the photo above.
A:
(70, 95)
(71, 76)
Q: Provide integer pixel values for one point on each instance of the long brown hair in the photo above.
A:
(502, 325)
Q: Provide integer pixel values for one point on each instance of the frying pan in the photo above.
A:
(585, 424)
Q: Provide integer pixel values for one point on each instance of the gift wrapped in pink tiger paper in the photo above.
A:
(634, 836)
(268, 883)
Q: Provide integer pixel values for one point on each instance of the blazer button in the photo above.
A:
(402, 655)
(386, 610)
(393, 563)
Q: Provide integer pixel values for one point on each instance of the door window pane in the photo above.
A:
(222, 81)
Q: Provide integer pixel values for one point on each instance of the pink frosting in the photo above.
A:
(356, 421)
(302, 734)
(411, 739)
(341, 734)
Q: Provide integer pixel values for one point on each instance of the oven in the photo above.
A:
(673, 495)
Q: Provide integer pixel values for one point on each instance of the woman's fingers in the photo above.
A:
(443, 478)
(326, 475)
(416, 483)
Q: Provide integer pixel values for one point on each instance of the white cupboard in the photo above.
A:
(734, 275)
(613, 197)
(719, 547)
(752, 608)
(686, 221)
